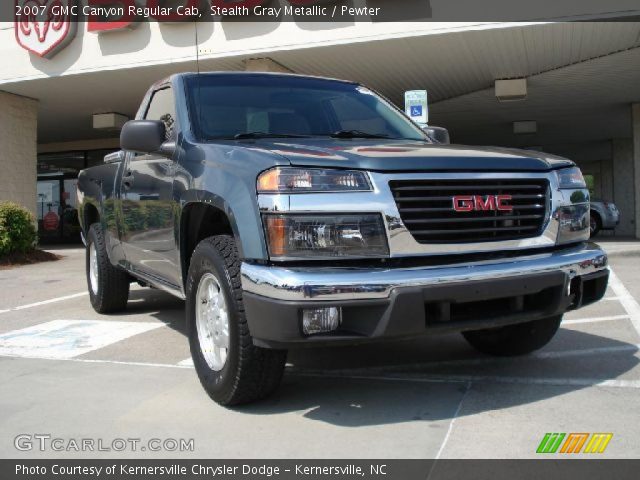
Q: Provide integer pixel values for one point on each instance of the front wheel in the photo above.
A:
(230, 367)
(513, 340)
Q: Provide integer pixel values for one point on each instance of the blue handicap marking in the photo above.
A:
(416, 111)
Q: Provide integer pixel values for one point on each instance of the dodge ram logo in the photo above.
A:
(44, 27)
(470, 203)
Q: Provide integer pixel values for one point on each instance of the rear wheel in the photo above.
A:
(108, 285)
(595, 223)
(230, 367)
(513, 340)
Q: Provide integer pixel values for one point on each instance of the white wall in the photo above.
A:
(153, 43)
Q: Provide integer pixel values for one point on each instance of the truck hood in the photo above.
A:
(404, 155)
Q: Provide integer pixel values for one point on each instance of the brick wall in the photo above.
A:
(18, 149)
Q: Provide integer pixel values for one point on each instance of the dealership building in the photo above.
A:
(571, 89)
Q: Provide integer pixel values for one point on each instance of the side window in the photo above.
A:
(163, 107)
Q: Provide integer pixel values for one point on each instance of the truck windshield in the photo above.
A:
(262, 106)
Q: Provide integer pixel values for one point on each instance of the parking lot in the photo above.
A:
(70, 373)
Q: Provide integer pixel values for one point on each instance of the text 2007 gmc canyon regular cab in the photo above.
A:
(294, 211)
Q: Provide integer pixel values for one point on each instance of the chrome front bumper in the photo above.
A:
(314, 284)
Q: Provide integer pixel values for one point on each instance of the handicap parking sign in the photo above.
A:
(416, 106)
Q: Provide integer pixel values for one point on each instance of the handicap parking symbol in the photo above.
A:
(416, 111)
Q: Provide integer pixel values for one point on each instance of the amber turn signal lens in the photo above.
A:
(276, 229)
(312, 180)
(269, 181)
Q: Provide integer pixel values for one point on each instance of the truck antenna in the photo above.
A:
(199, 114)
(197, 47)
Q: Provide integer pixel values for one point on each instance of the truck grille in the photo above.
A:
(426, 209)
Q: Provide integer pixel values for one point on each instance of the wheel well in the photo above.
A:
(595, 214)
(200, 221)
(90, 216)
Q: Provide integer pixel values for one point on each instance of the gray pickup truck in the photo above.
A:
(292, 211)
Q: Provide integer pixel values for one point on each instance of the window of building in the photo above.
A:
(70, 163)
(56, 192)
(63, 162)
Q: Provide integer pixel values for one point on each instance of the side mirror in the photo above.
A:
(144, 136)
(439, 134)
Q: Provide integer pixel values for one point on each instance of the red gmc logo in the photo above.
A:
(470, 203)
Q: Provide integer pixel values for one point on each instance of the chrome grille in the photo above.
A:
(426, 209)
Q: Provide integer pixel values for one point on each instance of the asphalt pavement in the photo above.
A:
(70, 374)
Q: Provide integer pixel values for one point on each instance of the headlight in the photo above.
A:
(325, 236)
(570, 178)
(311, 180)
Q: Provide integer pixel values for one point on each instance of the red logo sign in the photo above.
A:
(470, 203)
(44, 27)
(51, 221)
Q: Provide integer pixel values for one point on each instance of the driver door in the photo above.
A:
(148, 205)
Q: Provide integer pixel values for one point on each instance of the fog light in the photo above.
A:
(321, 320)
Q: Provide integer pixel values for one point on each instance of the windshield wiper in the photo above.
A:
(357, 134)
(250, 135)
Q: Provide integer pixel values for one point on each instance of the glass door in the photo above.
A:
(49, 208)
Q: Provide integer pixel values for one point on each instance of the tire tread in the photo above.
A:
(113, 282)
(259, 370)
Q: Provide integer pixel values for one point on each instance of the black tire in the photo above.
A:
(249, 373)
(595, 223)
(112, 290)
(513, 340)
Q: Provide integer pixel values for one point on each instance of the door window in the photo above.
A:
(162, 107)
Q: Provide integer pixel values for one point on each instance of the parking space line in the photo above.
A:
(629, 347)
(561, 382)
(45, 302)
(411, 378)
(187, 362)
(452, 422)
(455, 378)
(594, 319)
(108, 362)
(616, 298)
(629, 303)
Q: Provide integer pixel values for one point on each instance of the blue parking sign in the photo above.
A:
(416, 106)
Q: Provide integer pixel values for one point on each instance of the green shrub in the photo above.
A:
(17, 229)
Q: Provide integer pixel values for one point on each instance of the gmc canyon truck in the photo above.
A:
(292, 211)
